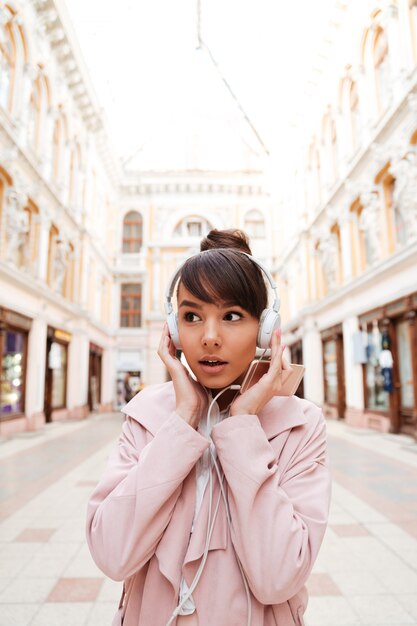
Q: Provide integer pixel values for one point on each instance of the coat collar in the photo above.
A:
(155, 403)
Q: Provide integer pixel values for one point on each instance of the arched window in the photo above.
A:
(354, 116)
(381, 68)
(59, 140)
(349, 106)
(192, 226)
(38, 106)
(75, 176)
(132, 232)
(255, 224)
(7, 58)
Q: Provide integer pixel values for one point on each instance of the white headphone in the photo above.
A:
(269, 321)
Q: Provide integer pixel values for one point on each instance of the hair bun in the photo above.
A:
(231, 238)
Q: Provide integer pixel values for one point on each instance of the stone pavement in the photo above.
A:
(366, 573)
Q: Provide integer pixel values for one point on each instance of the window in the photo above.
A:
(131, 305)
(7, 59)
(192, 226)
(330, 149)
(255, 224)
(132, 232)
(381, 66)
(59, 140)
(355, 120)
(75, 177)
(13, 345)
(194, 229)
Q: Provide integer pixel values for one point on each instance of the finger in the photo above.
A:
(276, 352)
(286, 365)
(275, 343)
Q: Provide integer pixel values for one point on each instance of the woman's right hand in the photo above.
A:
(191, 398)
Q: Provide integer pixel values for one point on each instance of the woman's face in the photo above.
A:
(218, 340)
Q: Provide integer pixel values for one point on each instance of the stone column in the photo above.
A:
(35, 374)
(313, 362)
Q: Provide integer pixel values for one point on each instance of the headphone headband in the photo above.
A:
(174, 278)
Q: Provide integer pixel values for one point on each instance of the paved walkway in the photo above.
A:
(366, 573)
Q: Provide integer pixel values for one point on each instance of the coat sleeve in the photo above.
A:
(278, 519)
(133, 503)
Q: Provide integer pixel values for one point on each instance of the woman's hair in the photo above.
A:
(222, 272)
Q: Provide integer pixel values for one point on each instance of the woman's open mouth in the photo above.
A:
(212, 366)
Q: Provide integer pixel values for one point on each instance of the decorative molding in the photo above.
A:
(192, 188)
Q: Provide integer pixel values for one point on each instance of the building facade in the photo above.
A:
(87, 248)
(57, 199)
(164, 217)
(348, 271)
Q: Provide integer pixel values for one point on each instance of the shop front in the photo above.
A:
(390, 371)
(334, 372)
(56, 374)
(14, 332)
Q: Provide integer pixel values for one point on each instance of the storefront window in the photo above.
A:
(376, 398)
(330, 371)
(405, 365)
(12, 372)
(58, 365)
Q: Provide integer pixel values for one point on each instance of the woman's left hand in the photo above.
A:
(255, 398)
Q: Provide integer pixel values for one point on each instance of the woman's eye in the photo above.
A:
(232, 316)
(191, 317)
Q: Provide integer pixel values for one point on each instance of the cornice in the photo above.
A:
(55, 25)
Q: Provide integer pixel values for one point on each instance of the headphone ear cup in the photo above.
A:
(172, 321)
(269, 321)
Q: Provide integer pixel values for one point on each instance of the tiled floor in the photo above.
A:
(366, 573)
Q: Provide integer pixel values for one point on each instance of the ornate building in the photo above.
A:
(348, 270)
(86, 247)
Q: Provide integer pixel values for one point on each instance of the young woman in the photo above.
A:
(214, 505)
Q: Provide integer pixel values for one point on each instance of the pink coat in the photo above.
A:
(140, 515)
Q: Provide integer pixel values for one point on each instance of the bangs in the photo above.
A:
(226, 275)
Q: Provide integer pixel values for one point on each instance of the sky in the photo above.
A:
(165, 103)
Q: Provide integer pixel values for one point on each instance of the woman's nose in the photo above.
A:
(211, 336)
